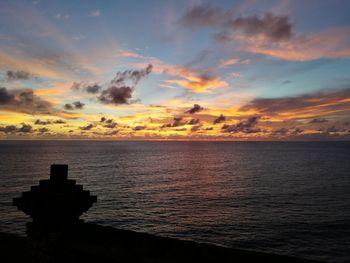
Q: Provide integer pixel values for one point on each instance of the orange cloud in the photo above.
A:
(331, 43)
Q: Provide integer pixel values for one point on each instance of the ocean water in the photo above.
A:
(290, 198)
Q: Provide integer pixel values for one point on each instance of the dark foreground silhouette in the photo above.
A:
(57, 235)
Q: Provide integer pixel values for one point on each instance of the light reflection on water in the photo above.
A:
(286, 198)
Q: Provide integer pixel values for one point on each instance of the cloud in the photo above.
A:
(76, 105)
(219, 119)
(270, 34)
(318, 120)
(302, 106)
(280, 131)
(95, 13)
(12, 75)
(271, 26)
(43, 130)
(196, 108)
(274, 27)
(11, 129)
(333, 129)
(110, 125)
(193, 121)
(178, 121)
(198, 82)
(47, 122)
(131, 75)
(26, 128)
(139, 128)
(89, 88)
(87, 127)
(116, 95)
(329, 43)
(62, 16)
(8, 129)
(297, 131)
(204, 15)
(23, 100)
(118, 91)
(195, 128)
(247, 126)
(188, 78)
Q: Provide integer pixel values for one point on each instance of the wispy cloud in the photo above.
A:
(95, 13)
(303, 106)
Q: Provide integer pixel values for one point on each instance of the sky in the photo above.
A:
(175, 70)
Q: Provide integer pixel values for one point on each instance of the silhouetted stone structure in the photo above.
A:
(56, 203)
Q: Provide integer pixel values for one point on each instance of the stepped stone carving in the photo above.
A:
(57, 202)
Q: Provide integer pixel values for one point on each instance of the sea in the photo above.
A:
(288, 198)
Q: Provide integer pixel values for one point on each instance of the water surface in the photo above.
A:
(288, 198)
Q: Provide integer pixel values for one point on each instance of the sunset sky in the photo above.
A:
(189, 70)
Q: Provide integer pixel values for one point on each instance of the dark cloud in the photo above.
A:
(68, 106)
(76, 105)
(131, 75)
(12, 75)
(194, 109)
(204, 15)
(77, 85)
(23, 101)
(193, 121)
(8, 129)
(139, 128)
(47, 122)
(274, 27)
(195, 128)
(280, 131)
(87, 127)
(181, 129)
(219, 119)
(5, 96)
(111, 133)
(334, 129)
(331, 101)
(59, 122)
(318, 120)
(119, 90)
(43, 130)
(116, 95)
(25, 128)
(297, 131)
(89, 88)
(40, 122)
(122, 86)
(95, 88)
(176, 123)
(247, 126)
(110, 125)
